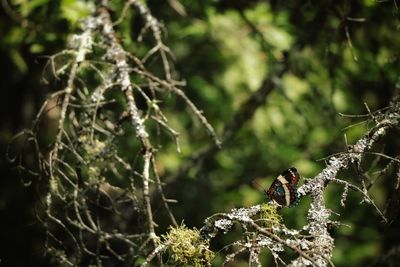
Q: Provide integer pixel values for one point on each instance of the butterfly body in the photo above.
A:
(283, 189)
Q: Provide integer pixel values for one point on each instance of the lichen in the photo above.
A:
(244, 214)
(92, 147)
(187, 248)
(254, 260)
(93, 174)
(269, 216)
(224, 225)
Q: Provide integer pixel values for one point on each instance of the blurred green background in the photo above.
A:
(339, 54)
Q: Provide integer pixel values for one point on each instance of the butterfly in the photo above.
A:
(283, 189)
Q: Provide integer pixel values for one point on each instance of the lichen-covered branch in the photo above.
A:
(101, 167)
(314, 246)
(98, 175)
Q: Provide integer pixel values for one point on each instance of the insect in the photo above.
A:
(283, 189)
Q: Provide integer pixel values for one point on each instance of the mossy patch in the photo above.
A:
(269, 215)
(187, 248)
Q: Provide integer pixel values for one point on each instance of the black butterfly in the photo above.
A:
(284, 189)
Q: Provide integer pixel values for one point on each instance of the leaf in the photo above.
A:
(73, 11)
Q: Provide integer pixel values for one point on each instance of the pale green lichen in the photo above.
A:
(93, 174)
(92, 147)
(269, 215)
(187, 248)
(54, 185)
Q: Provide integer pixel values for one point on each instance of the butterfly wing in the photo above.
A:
(284, 189)
(291, 176)
(277, 193)
(294, 197)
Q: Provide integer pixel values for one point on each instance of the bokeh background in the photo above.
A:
(339, 55)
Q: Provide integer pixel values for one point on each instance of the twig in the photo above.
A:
(163, 198)
(283, 242)
(158, 250)
(346, 30)
(118, 55)
(366, 196)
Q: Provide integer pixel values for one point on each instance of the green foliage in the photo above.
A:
(74, 11)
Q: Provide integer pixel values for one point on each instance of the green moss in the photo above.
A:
(187, 248)
(92, 147)
(93, 174)
(269, 216)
